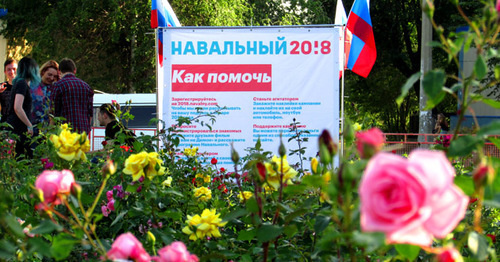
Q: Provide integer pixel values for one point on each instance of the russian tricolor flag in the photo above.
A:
(362, 54)
(162, 15)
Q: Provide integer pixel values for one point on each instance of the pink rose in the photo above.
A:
(105, 211)
(449, 254)
(176, 252)
(111, 205)
(498, 6)
(126, 246)
(411, 200)
(53, 184)
(109, 195)
(369, 142)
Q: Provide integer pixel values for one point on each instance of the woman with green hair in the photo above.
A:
(20, 104)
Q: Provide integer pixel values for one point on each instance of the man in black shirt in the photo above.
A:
(10, 70)
(107, 118)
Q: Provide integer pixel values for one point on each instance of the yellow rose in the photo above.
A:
(206, 225)
(273, 175)
(327, 177)
(167, 182)
(155, 167)
(314, 165)
(70, 146)
(135, 164)
(202, 193)
(245, 196)
(357, 127)
(190, 151)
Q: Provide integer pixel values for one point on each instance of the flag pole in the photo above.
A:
(342, 96)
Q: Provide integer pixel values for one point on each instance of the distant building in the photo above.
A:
(484, 113)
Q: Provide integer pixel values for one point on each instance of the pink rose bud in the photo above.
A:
(126, 246)
(411, 200)
(76, 190)
(369, 142)
(498, 6)
(449, 254)
(109, 168)
(176, 252)
(54, 184)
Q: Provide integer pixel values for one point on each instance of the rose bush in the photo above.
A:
(357, 204)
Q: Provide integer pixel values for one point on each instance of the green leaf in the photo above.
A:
(7, 250)
(433, 83)
(175, 215)
(431, 103)
(119, 217)
(14, 226)
(371, 241)
(246, 258)
(497, 72)
(478, 245)
(291, 230)
(463, 146)
(62, 245)
(294, 189)
(47, 226)
(491, 102)
(173, 192)
(492, 128)
(246, 235)
(407, 86)
(465, 183)
(313, 181)
(267, 233)
(321, 223)
(480, 67)
(235, 214)
(410, 252)
(495, 141)
(252, 205)
(38, 244)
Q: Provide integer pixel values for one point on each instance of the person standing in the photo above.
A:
(20, 104)
(107, 117)
(72, 98)
(40, 94)
(10, 70)
(441, 126)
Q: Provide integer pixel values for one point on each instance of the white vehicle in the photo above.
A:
(142, 107)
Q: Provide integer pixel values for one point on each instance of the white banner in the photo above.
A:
(265, 76)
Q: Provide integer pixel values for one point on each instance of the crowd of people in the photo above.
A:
(31, 97)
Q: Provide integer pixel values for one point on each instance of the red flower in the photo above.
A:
(493, 238)
(126, 148)
(194, 168)
(104, 143)
(222, 187)
(262, 171)
(214, 161)
(222, 170)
